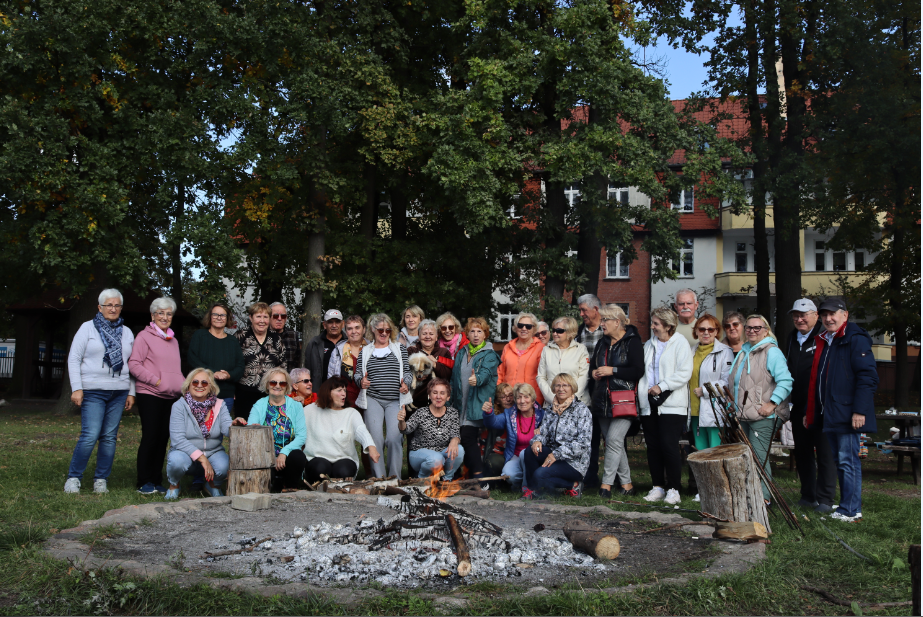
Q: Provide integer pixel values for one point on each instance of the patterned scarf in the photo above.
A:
(111, 334)
(200, 411)
(560, 408)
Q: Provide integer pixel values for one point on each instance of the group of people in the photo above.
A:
(535, 412)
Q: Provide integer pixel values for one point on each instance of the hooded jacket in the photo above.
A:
(506, 421)
(844, 378)
(155, 358)
(573, 360)
(516, 369)
(762, 371)
(626, 358)
(186, 436)
(484, 367)
(674, 372)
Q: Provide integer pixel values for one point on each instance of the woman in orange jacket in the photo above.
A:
(519, 362)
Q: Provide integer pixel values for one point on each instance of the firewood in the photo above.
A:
(592, 540)
(473, 493)
(729, 483)
(236, 551)
(461, 547)
(740, 531)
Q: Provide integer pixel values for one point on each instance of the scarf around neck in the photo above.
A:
(200, 411)
(452, 345)
(164, 335)
(559, 408)
(111, 334)
(473, 350)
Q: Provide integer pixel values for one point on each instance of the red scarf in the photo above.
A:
(819, 343)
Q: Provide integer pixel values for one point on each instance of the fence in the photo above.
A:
(6, 366)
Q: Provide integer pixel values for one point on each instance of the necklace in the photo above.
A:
(528, 430)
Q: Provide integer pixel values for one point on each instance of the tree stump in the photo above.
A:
(252, 456)
(729, 484)
(591, 540)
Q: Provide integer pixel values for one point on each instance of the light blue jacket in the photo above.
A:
(777, 366)
(294, 410)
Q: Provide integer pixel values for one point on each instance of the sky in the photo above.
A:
(684, 71)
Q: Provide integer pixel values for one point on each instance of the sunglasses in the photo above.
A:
(526, 326)
(275, 383)
(753, 328)
(545, 333)
(279, 316)
(199, 382)
(383, 330)
(736, 324)
(558, 330)
(302, 381)
(447, 328)
(708, 330)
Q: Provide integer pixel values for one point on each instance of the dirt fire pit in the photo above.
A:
(320, 541)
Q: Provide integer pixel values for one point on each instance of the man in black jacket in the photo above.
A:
(318, 350)
(818, 477)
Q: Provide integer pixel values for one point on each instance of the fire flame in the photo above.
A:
(441, 490)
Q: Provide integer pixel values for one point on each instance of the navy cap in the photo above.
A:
(833, 305)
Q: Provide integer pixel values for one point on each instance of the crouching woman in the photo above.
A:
(199, 420)
(434, 434)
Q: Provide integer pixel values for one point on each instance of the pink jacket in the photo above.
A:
(154, 359)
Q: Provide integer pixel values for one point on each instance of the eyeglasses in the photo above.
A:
(274, 383)
(447, 328)
(219, 316)
(753, 328)
(545, 333)
(526, 326)
(279, 316)
(708, 330)
(558, 386)
(383, 330)
(607, 319)
(803, 317)
(163, 314)
(111, 307)
(558, 330)
(197, 382)
(303, 381)
(735, 324)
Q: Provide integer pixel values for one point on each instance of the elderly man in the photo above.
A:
(317, 351)
(278, 322)
(818, 475)
(589, 334)
(841, 395)
(685, 304)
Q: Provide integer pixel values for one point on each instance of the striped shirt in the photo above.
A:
(385, 375)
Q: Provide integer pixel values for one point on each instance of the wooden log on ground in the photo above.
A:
(251, 447)
(473, 493)
(461, 546)
(729, 484)
(592, 540)
(740, 531)
(243, 481)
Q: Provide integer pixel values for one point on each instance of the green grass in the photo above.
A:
(35, 451)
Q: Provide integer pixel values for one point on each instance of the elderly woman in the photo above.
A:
(474, 378)
(199, 421)
(543, 333)
(262, 349)
(155, 365)
(663, 393)
(520, 422)
(100, 387)
(302, 386)
(451, 337)
(617, 365)
(345, 356)
(559, 453)
(563, 355)
(734, 331)
(384, 376)
(411, 318)
(333, 429)
(285, 416)
(216, 350)
(443, 362)
(521, 356)
(711, 363)
(434, 434)
(761, 370)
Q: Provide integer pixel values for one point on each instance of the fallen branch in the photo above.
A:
(829, 597)
(473, 493)
(675, 525)
(249, 549)
(461, 547)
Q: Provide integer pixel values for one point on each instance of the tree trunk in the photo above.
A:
(591, 540)
(369, 220)
(589, 251)
(398, 212)
(314, 294)
(176, 258)
(82, 310)
(729, 484)
(556, 205)
(251, 447)
(901, 369)
(243, 481)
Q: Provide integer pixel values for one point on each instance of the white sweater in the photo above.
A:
(85, 365)
(332, 433)
(575, 361)
(674, 373)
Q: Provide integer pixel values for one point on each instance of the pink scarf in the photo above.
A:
(452, 346)
(165, 336)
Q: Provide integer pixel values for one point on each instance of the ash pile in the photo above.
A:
(416, 547)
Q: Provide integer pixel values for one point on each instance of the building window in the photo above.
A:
(820, 256)
(839, 261)
(616, 267)
(860, 261)
(740, 257)
(683, 267)
(624, 306)
(514, 210)
(618, 194)
(504, 330)
(572, 194)
(686, 200)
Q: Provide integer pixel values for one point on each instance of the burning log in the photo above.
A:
(474, 493)
(592, 540)
(461, 547)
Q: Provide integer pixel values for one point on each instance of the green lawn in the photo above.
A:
(35, 450)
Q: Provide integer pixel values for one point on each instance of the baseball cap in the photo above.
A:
(803, 305)
(832, 304)
(333, 314)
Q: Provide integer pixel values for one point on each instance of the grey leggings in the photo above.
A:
(614, 431)
(381, 413)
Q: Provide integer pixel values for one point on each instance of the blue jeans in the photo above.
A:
(428, 461)
(558, 475)
(515, 469)
(845, 448)
(230, 403)
(180, 464)
(100, 415)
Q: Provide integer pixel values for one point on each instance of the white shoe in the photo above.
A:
(696, 498)
(672, 497)
(72, 485)
(656, 494)
(847, 519)
(100, 486)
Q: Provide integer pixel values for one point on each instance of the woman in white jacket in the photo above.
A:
(564, 355)
(711, 363)
(663, 395)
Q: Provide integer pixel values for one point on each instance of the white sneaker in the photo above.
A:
(847, 519)
(100, 486)
(696, 498)
(672, 497)
(72, 485)
(656, 494)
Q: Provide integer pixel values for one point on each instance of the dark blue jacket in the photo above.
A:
(507, 422)
(843, 380)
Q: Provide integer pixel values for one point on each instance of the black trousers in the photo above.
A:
(815, 462)
(155, 433)
(591, 479)
(244, 398)
(293, 474)
(469, 441)
(557, 475)
(343, 468)
(661, 434)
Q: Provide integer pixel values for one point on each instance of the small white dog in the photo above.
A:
(422, 366)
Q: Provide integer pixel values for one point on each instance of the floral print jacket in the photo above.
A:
(260, 358)
(568, 435)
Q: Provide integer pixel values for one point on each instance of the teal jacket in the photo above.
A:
(776, 364)
(294, 410)
(484, 367)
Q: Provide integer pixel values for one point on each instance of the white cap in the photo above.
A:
(333, 314)
(803, 305)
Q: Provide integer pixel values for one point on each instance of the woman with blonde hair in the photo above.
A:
(521, 356)
(519, 422)
(411, 318)
(384, 378)
(451, 337)
(564, 355)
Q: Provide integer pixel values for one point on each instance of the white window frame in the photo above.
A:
(685, 205)
(616, 258)
(688, 249)
(515, 210)
(508, 319)
(827, 256)
(746, 255)
(572, 194)
(618, 195)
